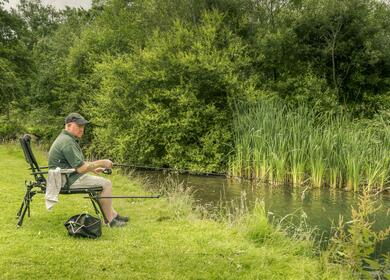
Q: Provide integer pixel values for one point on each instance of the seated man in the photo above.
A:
(65, 153)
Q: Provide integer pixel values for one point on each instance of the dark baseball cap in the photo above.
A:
(77, 118)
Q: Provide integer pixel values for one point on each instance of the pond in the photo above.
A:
(319, 208)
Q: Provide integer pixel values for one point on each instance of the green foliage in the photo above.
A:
(174, 95)
(15, 62)
(41, 20)
(54, 89)
(344, 41)
(9, 129)
(162, 77)
(258, 226)
(161, 80)
(354, 242)
(181, 200)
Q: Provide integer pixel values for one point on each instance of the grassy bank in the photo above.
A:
(280, 144)
(165, 239)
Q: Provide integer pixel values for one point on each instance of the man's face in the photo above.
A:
(76, 129)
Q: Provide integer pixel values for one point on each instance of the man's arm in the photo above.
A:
(92, 166)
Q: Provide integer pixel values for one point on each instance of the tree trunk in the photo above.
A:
(334, 35)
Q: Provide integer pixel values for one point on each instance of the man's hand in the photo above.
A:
(98, 170)
(107, 163)
(96, 165)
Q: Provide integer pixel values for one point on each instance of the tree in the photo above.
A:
(14, 60)
(170, 103)
(41, 20)
(54, 89)
(345, 41)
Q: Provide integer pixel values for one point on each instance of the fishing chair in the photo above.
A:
(39, 184)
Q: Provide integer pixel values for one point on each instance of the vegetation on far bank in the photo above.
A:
(284, 144)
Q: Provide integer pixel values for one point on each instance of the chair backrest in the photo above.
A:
(25, 142)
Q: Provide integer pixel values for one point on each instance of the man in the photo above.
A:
(65, 153)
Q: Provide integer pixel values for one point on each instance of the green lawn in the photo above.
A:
(155, 245)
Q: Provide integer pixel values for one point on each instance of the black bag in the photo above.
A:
(84, 225)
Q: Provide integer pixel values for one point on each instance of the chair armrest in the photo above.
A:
(67, 171)
(63, 171)
(40, 167)
(39, 172)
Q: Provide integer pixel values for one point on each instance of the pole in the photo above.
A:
(120, 196)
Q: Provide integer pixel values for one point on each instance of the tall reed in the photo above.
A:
(282, 144)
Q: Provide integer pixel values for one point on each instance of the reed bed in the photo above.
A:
(282, 144)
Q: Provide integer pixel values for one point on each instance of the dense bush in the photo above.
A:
(170, 103)
(9, 130)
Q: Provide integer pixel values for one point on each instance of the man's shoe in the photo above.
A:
(117, 223)
(122, 218)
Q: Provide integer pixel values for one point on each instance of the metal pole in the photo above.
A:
(122, 196)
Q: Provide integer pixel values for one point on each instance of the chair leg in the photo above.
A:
(20, 209)
(24, 200)
(20, 220)
(25, 206)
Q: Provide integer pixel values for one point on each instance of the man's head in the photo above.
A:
(75, 123)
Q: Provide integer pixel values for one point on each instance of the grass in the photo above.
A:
(298, 146)
(166, 239)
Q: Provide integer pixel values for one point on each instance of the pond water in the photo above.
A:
(319, 208)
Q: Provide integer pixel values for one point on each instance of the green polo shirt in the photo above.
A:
(65, 153)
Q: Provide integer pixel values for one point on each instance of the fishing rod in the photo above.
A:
(181, 171)
(108, 171)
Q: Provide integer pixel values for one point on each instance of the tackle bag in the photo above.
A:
(84, 225)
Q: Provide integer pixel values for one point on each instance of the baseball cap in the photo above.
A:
(77, 118)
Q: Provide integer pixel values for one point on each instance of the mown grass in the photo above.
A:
(280, 144)
(165, 239)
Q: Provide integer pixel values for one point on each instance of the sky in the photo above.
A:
(59, 4)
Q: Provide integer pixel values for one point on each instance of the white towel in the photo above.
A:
(53, 187)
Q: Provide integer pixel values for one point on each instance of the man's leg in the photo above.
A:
(106, 203)
(88, 180)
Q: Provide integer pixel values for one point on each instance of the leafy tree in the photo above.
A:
(54, 90)
(14, 60)
(41, 20)
(345, 41)
(168, 103)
